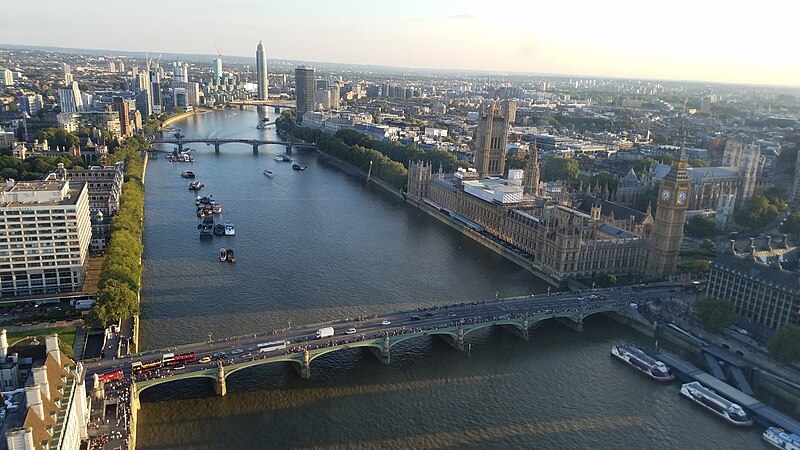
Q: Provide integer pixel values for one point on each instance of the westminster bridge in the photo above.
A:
(217, 142)
(378, 334)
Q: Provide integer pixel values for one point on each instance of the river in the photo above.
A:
(320, 244)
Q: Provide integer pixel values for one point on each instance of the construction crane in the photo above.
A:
(219, 54)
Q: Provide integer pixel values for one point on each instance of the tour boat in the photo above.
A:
(229, 229)
(216, 208)
(187, 174)
(223, 255)
(268, 173)
(713, 403)
(642, 362)
(781, 439)
(284, 158)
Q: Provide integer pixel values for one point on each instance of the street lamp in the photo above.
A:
(290, 324)
(209, 337)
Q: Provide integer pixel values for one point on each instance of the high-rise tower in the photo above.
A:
(491, 137)
(667, 232)
(217, 70)
(304, 90)
(261, 72)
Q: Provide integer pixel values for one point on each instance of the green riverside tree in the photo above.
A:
(785, 344)
(115, 301)
(714, 314)
(702, 227)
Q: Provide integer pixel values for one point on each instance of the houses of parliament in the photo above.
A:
(569, 235)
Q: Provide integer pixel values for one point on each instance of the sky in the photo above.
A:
(679, 39)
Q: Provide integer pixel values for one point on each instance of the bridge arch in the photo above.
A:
(294, 358)
(145, 385)
(316, 353)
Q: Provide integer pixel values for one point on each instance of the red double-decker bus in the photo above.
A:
(183, 358)
(110, 376)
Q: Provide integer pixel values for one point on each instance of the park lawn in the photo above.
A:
(66, 338)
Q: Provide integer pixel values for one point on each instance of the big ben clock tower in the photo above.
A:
(667, 232)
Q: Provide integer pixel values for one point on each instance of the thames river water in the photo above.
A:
(320, 244)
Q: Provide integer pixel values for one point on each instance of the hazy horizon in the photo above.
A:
(682, 41)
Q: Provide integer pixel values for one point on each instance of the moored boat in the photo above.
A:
(219, 229)
(229, 256)
(223, 255)
(781, 439)
(296, 166)
(195, 186)
(268, 173)
(284, 158)
(229, 229)
(715, 404)
(642, 362)
(187, 174)
(216, 208)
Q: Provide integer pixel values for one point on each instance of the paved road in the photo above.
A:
(368, 328)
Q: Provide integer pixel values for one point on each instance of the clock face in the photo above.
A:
(665, 195)
(682, 197)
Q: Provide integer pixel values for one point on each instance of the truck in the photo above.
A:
(324, 332)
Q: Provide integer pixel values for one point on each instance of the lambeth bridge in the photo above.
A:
(379, 333)
(217, 142)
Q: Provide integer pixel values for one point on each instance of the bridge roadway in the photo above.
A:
(219, 141)
(452, 322)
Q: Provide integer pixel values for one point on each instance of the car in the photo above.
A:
(415, 317)
(237, 351)
(428, 313)
(252, 348)
(350, 331)
(386, 322)
(205, 360)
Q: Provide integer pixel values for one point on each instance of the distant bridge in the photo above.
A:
(217, 142)
(277, 103)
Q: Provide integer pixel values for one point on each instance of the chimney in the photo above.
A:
(33, 396)
(733, 246)
(51, 346)
(3, 344)
(785, 240)
(20, 439)
(769, 243)
(40, 378)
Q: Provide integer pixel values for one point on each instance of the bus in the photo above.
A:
(271, 346)
(183, 358)
(140, 367)
(110, 376)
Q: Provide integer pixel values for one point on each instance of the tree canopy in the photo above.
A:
(792, 224)
(701, 227)
(58, 138)
(116, 301)
(715, 314)
(759, 211)
(559, 168)
(785, 344)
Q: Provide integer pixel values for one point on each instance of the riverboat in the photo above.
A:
(195, 186)
(216, 208)
(777, 437)
(229, 256)
(187, 174)
(284, 158)
(268, 173)
(642, 362)
(229, 229)
(715, 404)
(296, 166)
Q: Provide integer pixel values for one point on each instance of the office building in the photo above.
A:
(31, 103)
(762, 282)
(70, 99)
(46, 240)
(491, 138)
(304, 90)
(105, 189)
(123, 108)
(8, 77)
(217, 70)
(180, 73)
(55, 414)
(261, 73)
(67, 75)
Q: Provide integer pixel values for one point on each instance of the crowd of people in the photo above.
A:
(117, 427)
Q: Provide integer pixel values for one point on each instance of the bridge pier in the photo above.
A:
(304, 367)
(383, 353)
(220, 387)
(573, 323)
(180, 147)
(255, 149)
(523, 334)
(216, 147)
(289, 149)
